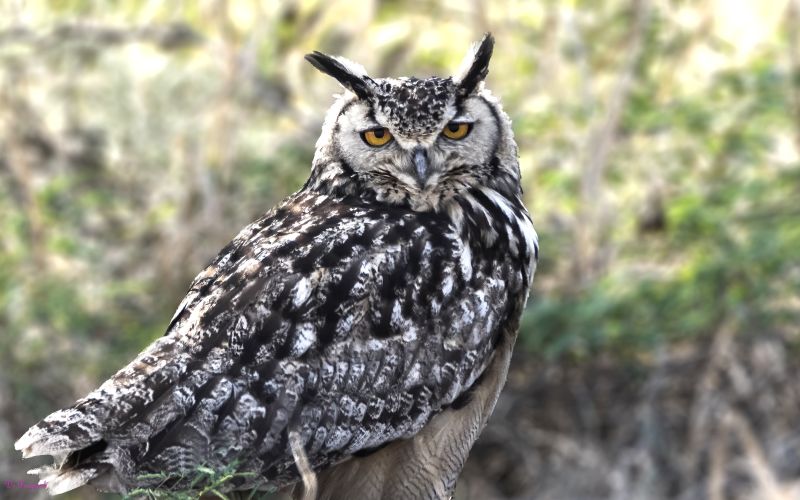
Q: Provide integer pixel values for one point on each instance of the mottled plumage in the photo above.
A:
(361, 313)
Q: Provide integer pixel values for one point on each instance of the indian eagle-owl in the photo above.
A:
(370, 316)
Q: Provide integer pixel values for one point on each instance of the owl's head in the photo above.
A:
(413, 141)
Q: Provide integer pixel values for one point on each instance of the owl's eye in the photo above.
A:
(457, 131)
(376, 137)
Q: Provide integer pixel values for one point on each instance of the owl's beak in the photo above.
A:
(420, 158)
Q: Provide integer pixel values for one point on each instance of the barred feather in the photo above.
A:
(351, 314)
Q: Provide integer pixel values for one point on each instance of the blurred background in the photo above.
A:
(659, 357)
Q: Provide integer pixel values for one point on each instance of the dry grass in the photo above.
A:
(714, 420)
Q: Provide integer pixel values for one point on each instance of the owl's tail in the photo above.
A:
(88, 440)
(62, 434)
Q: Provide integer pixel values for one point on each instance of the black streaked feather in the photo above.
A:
(480, 66)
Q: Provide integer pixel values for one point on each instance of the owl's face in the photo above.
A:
(418, 141)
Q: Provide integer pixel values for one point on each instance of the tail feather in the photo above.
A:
(77, 436)
(61, 481)
(58, 434)
(69, 437)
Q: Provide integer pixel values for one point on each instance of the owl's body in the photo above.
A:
(372, 314)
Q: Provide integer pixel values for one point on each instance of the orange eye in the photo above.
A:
(376, 137)
(457, 131)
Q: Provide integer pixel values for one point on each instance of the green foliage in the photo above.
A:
(728, 245)
(203, 482)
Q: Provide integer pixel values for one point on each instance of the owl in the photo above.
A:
(350, 343)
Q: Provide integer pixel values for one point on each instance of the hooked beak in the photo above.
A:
(420, 158)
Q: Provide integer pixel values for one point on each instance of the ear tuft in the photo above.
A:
(475, 66)
(351, 75)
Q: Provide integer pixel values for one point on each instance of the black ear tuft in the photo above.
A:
(332, 66)
(478, 67)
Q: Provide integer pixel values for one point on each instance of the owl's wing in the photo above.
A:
(351, 325)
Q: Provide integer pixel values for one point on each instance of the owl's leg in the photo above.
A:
(309, 482)
(427, 465)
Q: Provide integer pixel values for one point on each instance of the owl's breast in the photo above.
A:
(497, 232)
